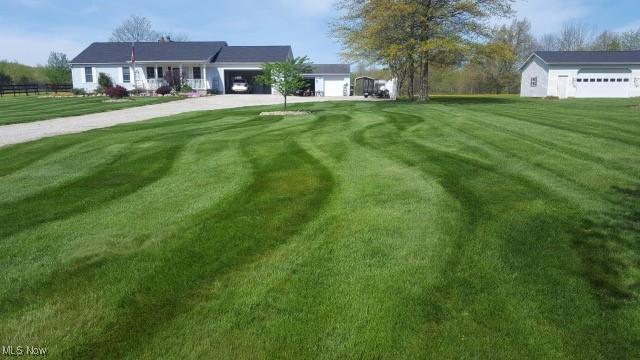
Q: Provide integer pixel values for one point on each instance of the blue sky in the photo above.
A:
(33, 28)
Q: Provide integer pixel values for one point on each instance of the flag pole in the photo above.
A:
(133, 62)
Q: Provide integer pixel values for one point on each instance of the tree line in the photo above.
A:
(450, 46)
(56, 71)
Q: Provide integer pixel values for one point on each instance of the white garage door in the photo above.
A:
(334, 86)
(610, 84)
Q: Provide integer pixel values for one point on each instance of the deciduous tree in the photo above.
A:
(411, 35)
(135, 28)
(285, 76)
(58, 69)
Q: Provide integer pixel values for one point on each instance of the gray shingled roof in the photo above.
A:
(254, 54)
(117, 52)
(329, 69)
(589, 57)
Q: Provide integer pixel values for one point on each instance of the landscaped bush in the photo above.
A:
(104, 82)
(117, 92)
(75, 91)
(164, 90)
(186, 88)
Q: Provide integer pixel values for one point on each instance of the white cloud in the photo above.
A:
(547, 16)
(35, 49)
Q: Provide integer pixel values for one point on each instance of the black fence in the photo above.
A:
(34, 89)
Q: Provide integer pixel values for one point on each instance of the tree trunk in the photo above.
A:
(411, 83)
(285, 103)
(424, 81)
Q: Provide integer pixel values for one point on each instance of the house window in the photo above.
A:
(626, 80)
(197, 72)
(151, 72)
(88, 74)
(619, 80)
(599, 80)
(160, 76)
(579, 80)
(606, 80)
(126, 75)
(534, 81)
(592, 80)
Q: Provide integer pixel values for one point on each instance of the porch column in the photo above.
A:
(203, 73)
(155, 75)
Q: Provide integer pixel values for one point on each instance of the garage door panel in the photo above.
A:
(334, 86)
(603, 84)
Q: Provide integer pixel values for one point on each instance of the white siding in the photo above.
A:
(331, 85)
(114, 71)
(556, 71)
(601, 90)
(548, 80)
(215, 78)
(535, 69)
(635, 86)
(334, 85)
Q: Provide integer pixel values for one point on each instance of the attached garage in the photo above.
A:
(250, 76)
(603, 83)
(330, 79)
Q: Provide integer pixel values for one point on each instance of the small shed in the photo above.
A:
(364, 85)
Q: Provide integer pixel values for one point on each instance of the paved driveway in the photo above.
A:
(19, 133)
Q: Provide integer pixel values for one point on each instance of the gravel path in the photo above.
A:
(20, 133)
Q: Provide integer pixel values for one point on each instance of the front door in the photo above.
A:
(563, 81)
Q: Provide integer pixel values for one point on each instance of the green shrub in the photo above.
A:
(5, 79)
(104, 83)
(186, 88)
(75, 91)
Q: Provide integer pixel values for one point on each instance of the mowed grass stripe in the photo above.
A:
(461, 283)
(290, 186)
(367, 230)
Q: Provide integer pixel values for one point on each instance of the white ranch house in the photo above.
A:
(206, 66)
(581, 74)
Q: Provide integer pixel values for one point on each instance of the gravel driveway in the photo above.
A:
(19, 133)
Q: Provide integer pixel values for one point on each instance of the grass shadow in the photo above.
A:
(290, 186)
(609, 247)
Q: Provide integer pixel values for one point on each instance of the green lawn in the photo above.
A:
(22, 109)
(480, 228)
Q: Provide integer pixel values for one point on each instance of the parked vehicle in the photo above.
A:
(305, 92)
(240, 85)
(380, 89)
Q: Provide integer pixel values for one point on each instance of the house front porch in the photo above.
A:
(152, 76)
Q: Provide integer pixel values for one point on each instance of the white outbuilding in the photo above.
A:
(581, 74)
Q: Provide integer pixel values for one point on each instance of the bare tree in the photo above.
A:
(606, 41)
(574, 36)
(548, 42)
(135, 28)
(630, 40)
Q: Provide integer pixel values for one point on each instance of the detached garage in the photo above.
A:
(581, 74)
(330, 79)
